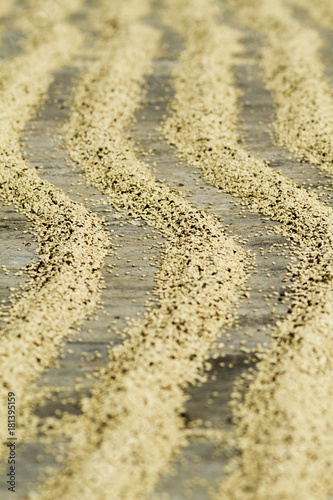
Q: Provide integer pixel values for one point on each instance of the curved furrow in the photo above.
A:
(202, 196)
(121, 307)
(72, 243)
(134, 432)
(16, 12)
(128, 279)
(206, 413)
(203, 127)
(197, 132)
(294, 72)
(257, 115)
(138, 415)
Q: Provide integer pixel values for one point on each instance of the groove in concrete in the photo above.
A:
(128, 274)
(257, 116)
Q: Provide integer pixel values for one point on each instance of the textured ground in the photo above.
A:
(166, 277)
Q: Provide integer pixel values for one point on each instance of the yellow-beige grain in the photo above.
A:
(64, 284)
(284, 425)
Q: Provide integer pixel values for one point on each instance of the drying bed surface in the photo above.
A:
(166, 279)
